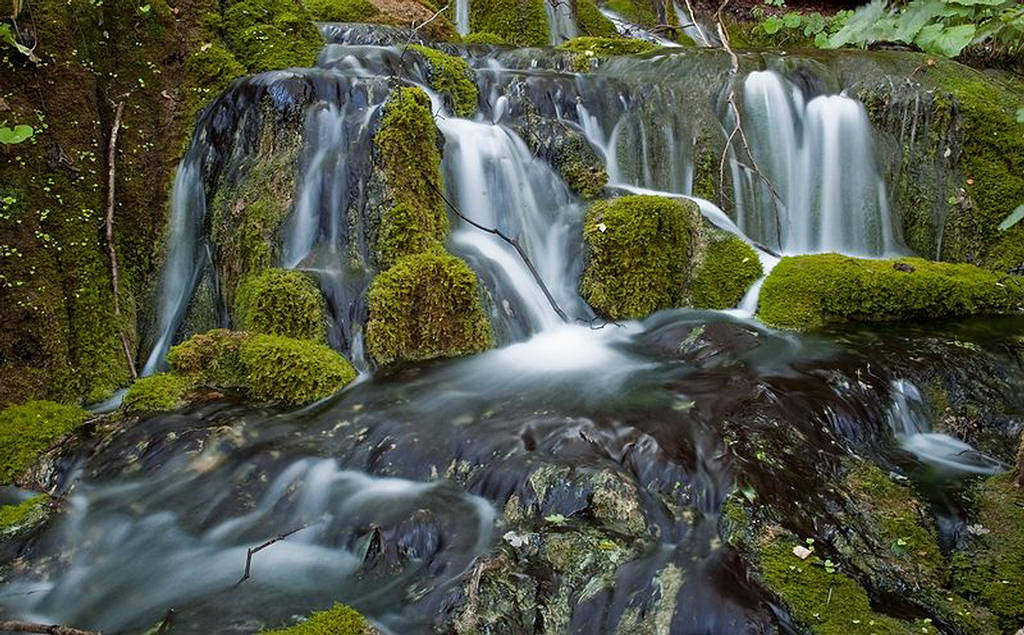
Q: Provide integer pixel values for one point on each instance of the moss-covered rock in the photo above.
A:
(211, 359)
(341, 10)
(568, 151)
(208, 71)
(730, 266)
(640, 12)
(156, 393)
(290, 41)
(338, 620)
(804, 292)
(24, 516)
(280, 302)
(412, 219)
(450, 76)
(29, 429)
(427, 305)
(290, 371)
(638, 254)
(484, 37)
(590, 21)
(991, 569)
(518, 22)
(608, 46)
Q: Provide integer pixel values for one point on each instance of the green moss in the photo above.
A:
(991, 570)
(483, 37)
(15, 519)
(639, 12)
(608, 46)
(290, 371)
(156, 393)
(639, 249)
(341, 10)
(590, 21)
(411, 163)
(450, 75)
(821, 598)
(208, 71)
(805, 292)
(288, 42)
(211, 358)
(28, 430)
(730, 266)
(339, 620)
(279, 302)
(427, 305)
(519, 22)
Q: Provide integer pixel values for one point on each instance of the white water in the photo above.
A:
(462, 16)
(628, 29)
(561, 21)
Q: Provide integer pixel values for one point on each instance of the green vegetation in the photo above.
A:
(639, 251)
(730, 266)
(288, 41)
(30, 429)
(341, 10)
(290, 371)
(339, 620)
(588, 48)
(991, 569)
(411, 165)
(450, 75)
(790, 30)
(210, 359)
(590, 21)
(15, 519)
(427, 305)
(156, 393)
(279, 302)
(804, 292)
(208, 71)
(483, 37)
(518, 22)
(639, 12)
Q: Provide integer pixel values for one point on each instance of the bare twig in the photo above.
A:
(430, 19)
(111, 180)
(166, 623)
(254, 550)
(693, 20)
(15, 626)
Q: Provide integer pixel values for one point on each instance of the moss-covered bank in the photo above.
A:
(804, 292)
(28, 430)
(518, 22)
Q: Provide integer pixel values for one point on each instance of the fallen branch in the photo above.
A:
(430, 19)
(254, 550)
(14, 626)
(114, 278)
(693, 20)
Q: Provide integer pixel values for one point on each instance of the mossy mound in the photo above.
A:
(338, 620)
(290, 371)
(29, 429)
(24, 516)
(805, 292)
(156, 393)
(483, 37)
(406, 144)
(608, 46)
(341, 10)
(210, 359)
(290, 41)
(280, 302)
(991, 569)
(450, 76)
(518, 22)
(208, 70)
(730, 266)
(590, 21)
(427, 305)
(638, 257)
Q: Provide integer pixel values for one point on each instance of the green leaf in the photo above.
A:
(1011, 220)
(791, 20)
(771, 25)
(11, 136)
(948, 42)
(7, 36)
(915, 16)
(814, 23)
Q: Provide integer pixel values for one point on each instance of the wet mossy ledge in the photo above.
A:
(338, 620)
(805, 292)
(264, 368)
(399, 13)
(21, 518)
(646, 253)
(451, 77)
(280, 302)
(518, 22)
(27, 430)
(590, 49)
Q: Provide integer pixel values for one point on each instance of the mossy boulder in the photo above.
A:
(270, 34)
(518, 22)
(22, 517)
(29, 429)
(341, 10)
(412, 218)
(427, 305)
(209, 69)
(280, 302)
(991, 569)
(484, 38)
(338, 620)
(805, 292)
(607, 46)
(638, 254)
(729, 268)
(450, 76)
(290, 371)
(156, 393)
(210, 358)
(568, 151)
(590, 21)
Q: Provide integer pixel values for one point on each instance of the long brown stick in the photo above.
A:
(114, 276)
(254, 550)
(15, 626)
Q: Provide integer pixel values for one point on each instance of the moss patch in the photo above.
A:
(208, 71)
(339, 620)
(519, 22)
(411, 162)
(450, 76)
(608, 46)
(427, 305)
(639, 250)
(730, 266)
(290, 40)
(483, 37)
(279, 302)
(210, 358)
(341, 10)
(156, 393)
(805, 292)
(17, 519)
(590, 21)
(28, 430)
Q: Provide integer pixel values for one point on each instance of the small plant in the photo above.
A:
(16, 135)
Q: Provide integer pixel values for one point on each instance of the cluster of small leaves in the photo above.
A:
(794, 26)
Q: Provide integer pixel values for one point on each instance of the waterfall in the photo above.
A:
(628, 29)
(820, 158)
(561, 21)
(462, 16)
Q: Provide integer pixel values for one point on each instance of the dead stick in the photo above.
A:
(253, 550)
(693, 20)
(14, 626)
(111, 167)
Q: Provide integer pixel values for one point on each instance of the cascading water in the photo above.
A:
(462, 16)
(561, 21)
